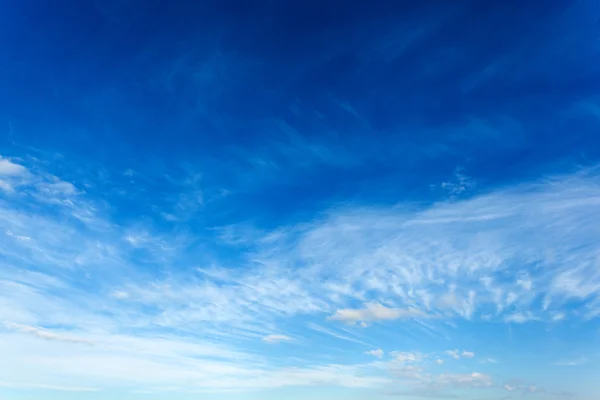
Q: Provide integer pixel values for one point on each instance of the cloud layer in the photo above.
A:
(507, 256)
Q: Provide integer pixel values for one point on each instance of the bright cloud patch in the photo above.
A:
(376, 353)
(8, 168)
(468, 354)
(277, 339)
(374, 312)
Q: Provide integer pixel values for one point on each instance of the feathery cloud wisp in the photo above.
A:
(276, 339)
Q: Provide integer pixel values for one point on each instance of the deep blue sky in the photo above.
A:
(490, 85)
(300, 173)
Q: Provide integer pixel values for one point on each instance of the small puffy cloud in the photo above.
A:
(491, 361)
(376, 353)
(439, 361)
(374, 312)
(405, 357)
(454, 354)
(276, 339)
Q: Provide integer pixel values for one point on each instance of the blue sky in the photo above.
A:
(300, 200)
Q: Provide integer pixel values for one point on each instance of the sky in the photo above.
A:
(299, 200)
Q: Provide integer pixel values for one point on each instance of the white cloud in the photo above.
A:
(519, 318)
(454, 354)
(558, 317)
(119, 294)
(7, 187)
(276, 339)
(525, 282)
(405, 357)
(524, 389)
(119, 361)
(468, 354)
(474, 380)
(8, 168)
(456, 252)
(374, 312)
(12, 175)
(458, 185)
(439, 361)
(56, 188)
(46, 334)
(376, 353)
(337, 335)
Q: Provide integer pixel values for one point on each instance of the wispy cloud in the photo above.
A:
(460, 184)
(571, 363)
(524, 389)
(475, 380)
(273, 214)
(336, 334)
(276, 339)
(372, 265)
(47, 334)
